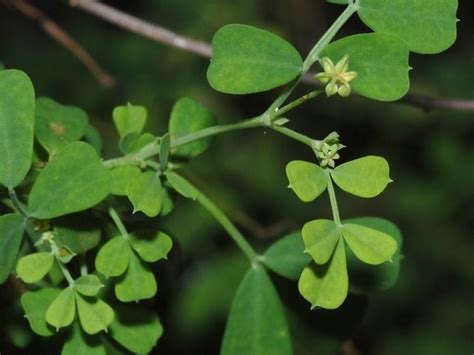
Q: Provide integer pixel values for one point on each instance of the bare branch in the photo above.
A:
(61, 36)
(203, 49)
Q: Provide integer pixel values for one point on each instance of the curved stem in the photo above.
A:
(16, 203)
(118, 222)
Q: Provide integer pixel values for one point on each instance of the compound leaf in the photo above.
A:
(381, 63)
(151, 246)
(57, 125)
(62, 310)
(145, 194)
(189, 116)
(33, 267)
(369, 245)
(135, 328)
(326, 285)
(307, 180)
(113, 257)
(12, 227)
(80, 343)
(364, 177)
(320, 238)
(247, 60)
(286, 256)
(94, 314)
(428, 26)
(73, 181)
(88, 285)
(35, 304)
(17, 113)
(138, 283)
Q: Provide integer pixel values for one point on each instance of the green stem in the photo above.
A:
(296, 136)
(333, 201)
(64, 270)
(16, 203)
(299, 101)
(118, 222)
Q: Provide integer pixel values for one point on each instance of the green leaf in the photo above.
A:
(256, 323)
(151, 246)
(326, 286)
(129, 119)
(365, 177)
(17, 111)
(247, 60)
(428, 26)
(113, 258)
(369, 278)
(79, 241)
(93, 137)
(320, 238)
(190, 116)
(182, 186)
(33, 267)
(57, 125)
(145, 194)
(136, 328)
(94, 314)
(165, 147)
(61, 312)
(80, 343)
(286, 256)
(307, 180)
(121, 177)
(134, 142)
(12, 227)
(167, 201)
(73, 181)
(369, 245)
(88, 285)
(381, 63)
(137, 284)
(35, 304)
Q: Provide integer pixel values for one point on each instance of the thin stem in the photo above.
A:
(118, 222)
(296, 136)
(65, 271)
(16, 203)
(333, 201)
(299, 101)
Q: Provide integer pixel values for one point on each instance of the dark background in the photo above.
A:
(430, 310)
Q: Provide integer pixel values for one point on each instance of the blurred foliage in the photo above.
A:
(430, 310)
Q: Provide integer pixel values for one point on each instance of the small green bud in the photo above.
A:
(337, 77)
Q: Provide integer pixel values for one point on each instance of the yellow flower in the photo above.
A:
(336, 76)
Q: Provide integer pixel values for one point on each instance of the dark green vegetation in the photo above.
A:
(348, 263)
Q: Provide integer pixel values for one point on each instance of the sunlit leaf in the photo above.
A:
(256, 323)
(307, 180)
(121, 177)
(57, 125)
(129, 119)
(33, 267)
(326, 286)
(369, 245)
(88, 285)
(94, 314)
(320, 238)
(138, 283)
(247, 60)
(73, 181)
(113, 257)
(381, 63)
(17, 112)
(62, 310)
(364, 177)
(145, 194)
(151, 246)
(428, 26)
(189, 116)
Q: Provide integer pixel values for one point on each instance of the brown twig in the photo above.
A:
(56, 32)
(203, 49)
